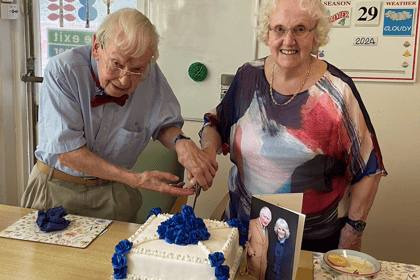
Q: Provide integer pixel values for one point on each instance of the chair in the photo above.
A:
(157, 157)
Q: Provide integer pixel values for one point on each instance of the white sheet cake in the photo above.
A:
(154, 258)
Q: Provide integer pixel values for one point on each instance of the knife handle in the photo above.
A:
(197, 189)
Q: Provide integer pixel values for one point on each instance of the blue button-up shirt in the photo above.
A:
(116, 134)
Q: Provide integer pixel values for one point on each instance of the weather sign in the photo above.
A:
(398, 22)
(375, 40)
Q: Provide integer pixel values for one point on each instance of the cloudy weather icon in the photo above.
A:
(398, 16)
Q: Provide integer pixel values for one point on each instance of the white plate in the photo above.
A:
(353, 256)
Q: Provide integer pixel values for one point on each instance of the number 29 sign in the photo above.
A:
(368, 13)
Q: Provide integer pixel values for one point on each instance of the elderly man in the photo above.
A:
(99, 107)
(258, 244)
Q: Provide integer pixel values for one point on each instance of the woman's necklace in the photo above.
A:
(294, 95)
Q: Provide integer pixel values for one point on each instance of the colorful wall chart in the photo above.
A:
(373, 40)
(67, 24)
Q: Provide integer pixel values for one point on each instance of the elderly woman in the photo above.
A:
(294, 123)
(280, 255)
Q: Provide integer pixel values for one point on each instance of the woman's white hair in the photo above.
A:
(281, 223)
(316, 10)
(131, 31)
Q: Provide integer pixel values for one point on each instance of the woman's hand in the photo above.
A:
(201, 167)
(350, 238)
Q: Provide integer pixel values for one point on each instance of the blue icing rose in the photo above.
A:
(194, 237)
(170, 235)
(243, 232)
(120, 273)
(118, 261)
(155, 211)
(222, 272)
(205, 235)
(234, 223)
(200, 223)
(183, 228)
(177, 218)
(162, 231)
(187, 211)
(216, 259)
(181, 238)
(191, 224)
(123, 247)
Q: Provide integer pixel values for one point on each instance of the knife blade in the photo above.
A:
(197, 193)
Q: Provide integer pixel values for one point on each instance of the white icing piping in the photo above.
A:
(136, 277)
(143, 226)
(229, 240)
(236, 263)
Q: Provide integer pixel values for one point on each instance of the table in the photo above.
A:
(32, 260)
(35, 261)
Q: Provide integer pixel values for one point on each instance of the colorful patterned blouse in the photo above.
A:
(318, 144)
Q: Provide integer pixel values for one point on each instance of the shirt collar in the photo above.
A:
(94, 65)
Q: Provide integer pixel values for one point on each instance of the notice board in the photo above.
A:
(373, 40)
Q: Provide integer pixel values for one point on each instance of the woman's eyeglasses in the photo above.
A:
(297, 31)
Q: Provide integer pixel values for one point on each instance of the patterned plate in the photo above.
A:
(357, 261)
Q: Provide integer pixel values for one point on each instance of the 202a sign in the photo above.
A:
(365, 40)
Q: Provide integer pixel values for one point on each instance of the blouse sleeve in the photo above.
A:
(365, 155)
(225, 114)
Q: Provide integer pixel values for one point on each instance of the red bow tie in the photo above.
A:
(103, 99)
(99, 100)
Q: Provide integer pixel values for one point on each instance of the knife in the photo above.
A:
(197, 193)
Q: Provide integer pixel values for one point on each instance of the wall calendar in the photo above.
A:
(373, 40)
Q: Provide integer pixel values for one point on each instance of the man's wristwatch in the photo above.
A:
(357, 225)
(181, 136)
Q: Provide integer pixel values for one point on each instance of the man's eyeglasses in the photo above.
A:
(297, 31)
(115, 68)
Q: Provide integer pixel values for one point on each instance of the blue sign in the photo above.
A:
(398, 22)
(53, 50)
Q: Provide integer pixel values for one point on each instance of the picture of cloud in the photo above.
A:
(398, 16)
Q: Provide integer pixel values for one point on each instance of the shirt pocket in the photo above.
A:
(128, 146)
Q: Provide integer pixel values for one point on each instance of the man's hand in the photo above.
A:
(201, 166)
(155, 181)
(86, 162)
(350, 238)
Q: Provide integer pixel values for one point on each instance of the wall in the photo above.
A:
(393, 225)
(13, 123)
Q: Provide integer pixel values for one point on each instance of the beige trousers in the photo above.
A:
(115, 201)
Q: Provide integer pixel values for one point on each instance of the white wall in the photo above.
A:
(13, 124)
